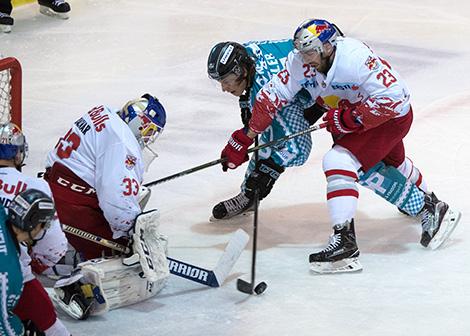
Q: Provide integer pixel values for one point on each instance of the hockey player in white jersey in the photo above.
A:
(34, 305)
(369, 114)
(95, 173)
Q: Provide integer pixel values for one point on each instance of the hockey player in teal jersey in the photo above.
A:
(29, 216)
(242, 70)
(11, 279)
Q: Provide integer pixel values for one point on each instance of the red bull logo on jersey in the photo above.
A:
(12, 189)
(130, 161)
(372, 63)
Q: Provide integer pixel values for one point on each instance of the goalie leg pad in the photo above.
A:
(151, 246)
(116, 285)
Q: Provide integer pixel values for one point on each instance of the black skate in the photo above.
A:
(69, 295)
(341, 254)
(234, 206)
(57, 8)
(438, 221)
(6, 22)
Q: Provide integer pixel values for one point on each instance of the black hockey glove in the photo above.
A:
(262, 178)
(313, 113)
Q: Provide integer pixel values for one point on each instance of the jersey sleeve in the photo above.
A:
(118, 180)
(11, 282)
(9, 322)
(388, 95)
(277, 93)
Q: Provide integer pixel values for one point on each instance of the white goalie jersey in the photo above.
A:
(101, 149)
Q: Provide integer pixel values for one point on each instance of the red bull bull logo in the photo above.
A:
(318, 29)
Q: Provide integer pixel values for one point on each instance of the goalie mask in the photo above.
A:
(13, 145)
(30, 209)
(311, 34)
(146, 117)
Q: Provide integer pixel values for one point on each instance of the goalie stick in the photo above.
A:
(211, 278)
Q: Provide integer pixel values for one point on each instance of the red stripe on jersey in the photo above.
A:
(420, 180)
(348, 173)
(342, 192)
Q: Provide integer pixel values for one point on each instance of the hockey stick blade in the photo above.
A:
(211, 278)
(216, 277)
(247, 287)
(244, 286)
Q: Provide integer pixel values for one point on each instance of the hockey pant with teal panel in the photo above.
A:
(389, 183)
(293, 152)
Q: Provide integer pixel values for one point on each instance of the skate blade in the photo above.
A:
(244, 213)
(5, 28)
(450, 221)
(341, 266)
(49, 12)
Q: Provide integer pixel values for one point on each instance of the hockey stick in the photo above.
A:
(215, 162)
(211, 278)
(242, 285)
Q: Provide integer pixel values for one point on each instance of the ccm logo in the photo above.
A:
(145, 248)
(75, 187)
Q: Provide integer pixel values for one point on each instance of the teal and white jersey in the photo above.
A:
(270, 58)
(11, 281)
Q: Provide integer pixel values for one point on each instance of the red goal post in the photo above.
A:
(10, 90)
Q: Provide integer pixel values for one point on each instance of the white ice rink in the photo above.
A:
(111, 51)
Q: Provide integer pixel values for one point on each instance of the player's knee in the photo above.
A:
(339, 158)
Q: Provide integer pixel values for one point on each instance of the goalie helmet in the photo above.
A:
(311, 34)
(226, 58)
(13, 145)
(146, 117)
(31, 208)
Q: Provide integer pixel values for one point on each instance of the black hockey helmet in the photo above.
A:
(226, 58)
(31, 208)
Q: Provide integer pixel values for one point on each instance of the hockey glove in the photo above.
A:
(341, 121)
(236, 150)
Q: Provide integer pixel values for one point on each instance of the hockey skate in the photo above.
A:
(238, 205)
(69, 295)
(438, 221)
(341, 254)
(6, 22)
(56, 8)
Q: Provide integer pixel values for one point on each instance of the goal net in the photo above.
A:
(10, 90)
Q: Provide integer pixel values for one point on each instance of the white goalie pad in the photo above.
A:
(150, 245)
(117, 285)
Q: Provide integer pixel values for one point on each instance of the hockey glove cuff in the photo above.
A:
(236, 150)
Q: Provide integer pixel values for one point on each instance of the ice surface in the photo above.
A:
(111, 51)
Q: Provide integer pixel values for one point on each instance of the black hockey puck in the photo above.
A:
(260, 288)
